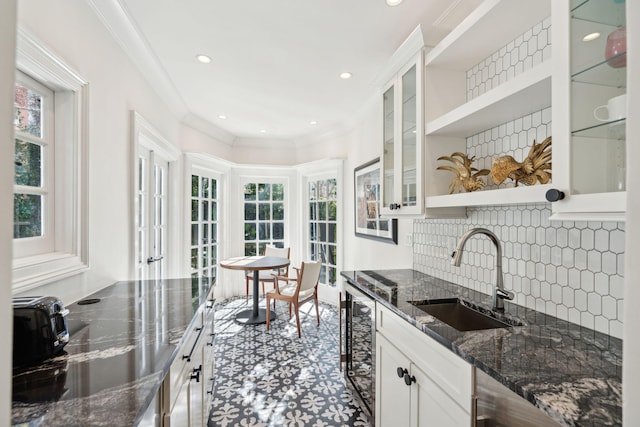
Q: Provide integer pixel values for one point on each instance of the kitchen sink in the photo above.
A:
(464, 316)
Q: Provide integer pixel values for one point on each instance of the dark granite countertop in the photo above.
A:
(572, 373)
(120, 350)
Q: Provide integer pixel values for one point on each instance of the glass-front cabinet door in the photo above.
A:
(590, 106)
(402, 192)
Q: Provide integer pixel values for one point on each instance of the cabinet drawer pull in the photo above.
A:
(195, 343)
(408, 380)
(195, 374)
(401, 372)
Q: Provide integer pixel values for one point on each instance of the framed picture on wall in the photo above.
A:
(367, 197)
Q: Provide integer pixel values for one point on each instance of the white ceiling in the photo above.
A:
(276, 63)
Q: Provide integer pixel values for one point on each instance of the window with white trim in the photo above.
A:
(51, 167)
(323, 227)
(264, 216)
(204, 226)
(33, 191)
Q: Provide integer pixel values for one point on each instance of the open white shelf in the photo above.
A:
(527, 92)
(501, 196)
(488, 28)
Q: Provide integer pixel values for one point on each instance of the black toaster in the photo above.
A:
(39, 329)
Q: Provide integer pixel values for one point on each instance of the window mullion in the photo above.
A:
(25, 189)
(27, 137)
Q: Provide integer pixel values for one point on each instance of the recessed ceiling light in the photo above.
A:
(345, 75)
(263, 131)
(313, 122)
(590, 37)
(222, 116)
(393, 2)
(203, 58)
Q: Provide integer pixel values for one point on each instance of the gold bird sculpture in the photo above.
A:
(536, 167)
(467, 178)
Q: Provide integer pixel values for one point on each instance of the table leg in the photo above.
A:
(255, 315)
(256, 290)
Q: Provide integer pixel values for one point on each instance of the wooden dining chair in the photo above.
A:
(304, 288)
(267, 276)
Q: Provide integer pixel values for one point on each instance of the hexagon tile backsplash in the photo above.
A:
(571, 270)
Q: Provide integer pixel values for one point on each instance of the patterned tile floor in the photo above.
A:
(274, 378)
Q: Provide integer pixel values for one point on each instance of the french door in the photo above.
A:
(152, 198)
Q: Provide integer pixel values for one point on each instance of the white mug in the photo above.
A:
(616, 109)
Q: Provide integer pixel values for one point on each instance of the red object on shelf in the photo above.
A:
(616, 48)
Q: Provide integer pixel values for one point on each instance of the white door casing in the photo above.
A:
(156, 202)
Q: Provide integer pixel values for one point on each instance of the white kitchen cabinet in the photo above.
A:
(452, 114)
(402, 105)
(589, 151)
(418, 381)
(393, 397)
(186, 392)
(419, 403)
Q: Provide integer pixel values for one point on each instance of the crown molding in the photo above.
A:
(407, 50)
(114, 17)
(282, 144)
(346, 126)
(205, 126)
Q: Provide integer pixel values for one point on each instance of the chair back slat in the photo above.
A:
(310, 275)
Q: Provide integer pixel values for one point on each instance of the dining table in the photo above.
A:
(254, 315)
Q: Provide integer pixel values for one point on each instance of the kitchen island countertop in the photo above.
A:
(572, 373)
(119, 352)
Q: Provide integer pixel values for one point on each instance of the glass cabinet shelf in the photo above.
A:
(602, 74)
(614, 130)
(592, 10)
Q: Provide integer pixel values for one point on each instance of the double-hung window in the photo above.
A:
(33, 198)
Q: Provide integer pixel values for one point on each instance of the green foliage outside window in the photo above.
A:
(264, 217)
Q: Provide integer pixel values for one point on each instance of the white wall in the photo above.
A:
(7, 52)
(631, 355)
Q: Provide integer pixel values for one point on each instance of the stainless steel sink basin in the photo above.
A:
(463, 316)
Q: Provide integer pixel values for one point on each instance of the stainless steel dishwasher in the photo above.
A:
(497, 406)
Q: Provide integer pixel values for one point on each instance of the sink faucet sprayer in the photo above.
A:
(499, 293)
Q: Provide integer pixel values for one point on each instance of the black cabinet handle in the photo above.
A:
(394, 206)
(213, 383)
(408, 380)
(188, 356)
(401, 372)
(152, 259)
(195, 375)
(554, 195)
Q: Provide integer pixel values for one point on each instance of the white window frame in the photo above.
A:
(264, 179)
(70, 254)
(204, 172)
(29, 246)
(307, 220)
(324, 169)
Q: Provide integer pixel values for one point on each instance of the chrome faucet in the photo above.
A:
(499, 293)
